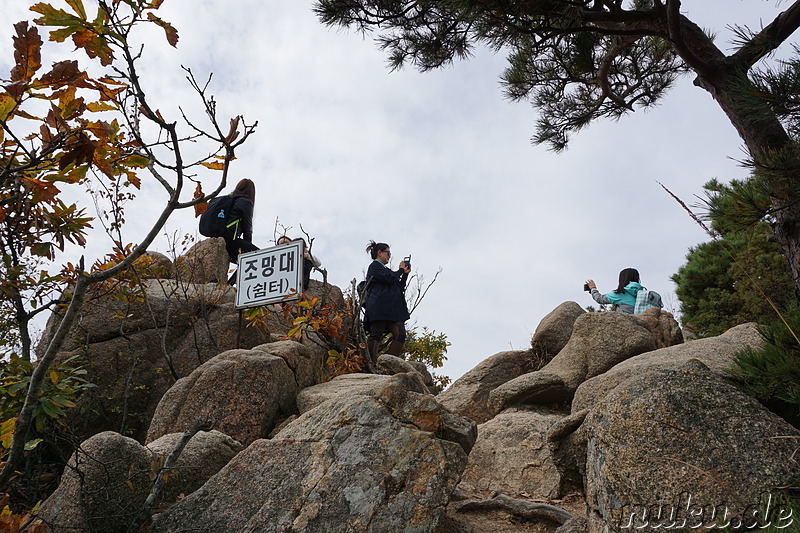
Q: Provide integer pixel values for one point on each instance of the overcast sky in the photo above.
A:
(440, 165)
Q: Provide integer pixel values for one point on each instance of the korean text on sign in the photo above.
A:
(269, 275)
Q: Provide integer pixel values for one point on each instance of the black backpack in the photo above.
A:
(363, 291)
(216, 219)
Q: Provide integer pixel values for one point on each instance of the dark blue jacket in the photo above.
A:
(386, 298)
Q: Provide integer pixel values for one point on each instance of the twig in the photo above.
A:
(144, 512)
(715, 237)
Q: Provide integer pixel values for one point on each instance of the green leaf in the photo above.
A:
(31, 444)
(77, 5)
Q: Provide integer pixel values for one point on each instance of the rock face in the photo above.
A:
(108, 479)
(714, 352)
(242, 393)
(204, 455)
(469, 394)
(357, 463)
(130, 345)
(598, 342)
(555, 328)
(205, 262)
(363, 384)
(512, 455)
(682, 438)
(109, 475)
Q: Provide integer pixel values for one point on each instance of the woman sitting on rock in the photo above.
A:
(623, 299)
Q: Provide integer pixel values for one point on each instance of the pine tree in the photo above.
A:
(580, 60)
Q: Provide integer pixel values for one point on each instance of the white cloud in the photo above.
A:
(440, 165)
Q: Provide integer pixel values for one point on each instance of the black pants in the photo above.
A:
(233, 246)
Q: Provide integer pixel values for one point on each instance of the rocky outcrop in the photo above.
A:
(242, 393)
(109, 477)
(469, 394)
(104, 485)
(598, 342)
(555, 329)
(683, 439)
(512, 456)
(205, 262)
(714, 352)
(357, 463)
(130, 344)
(357, 384)
(202, 457)
(154, 265)
(666, 331)
(391, 365)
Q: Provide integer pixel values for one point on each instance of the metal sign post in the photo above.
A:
(270, 275)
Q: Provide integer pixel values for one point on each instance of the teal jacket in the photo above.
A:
(624, 302)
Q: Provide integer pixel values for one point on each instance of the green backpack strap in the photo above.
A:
(235, 225)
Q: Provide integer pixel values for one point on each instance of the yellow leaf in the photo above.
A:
(7, 105)
(213, 165)
(96, 107)
(54, 378)
(7, 432)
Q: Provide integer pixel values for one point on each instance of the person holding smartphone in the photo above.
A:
(623, 298)
(385, 303)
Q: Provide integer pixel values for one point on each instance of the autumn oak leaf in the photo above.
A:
(62, 73)
(172, 33)
(213, 165)
(82, 152)
(27, 52)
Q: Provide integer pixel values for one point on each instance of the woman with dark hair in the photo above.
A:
(239, 232)
(385, 302)
(623, 299)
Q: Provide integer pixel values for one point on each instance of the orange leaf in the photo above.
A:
(62, 73)
(202, 207)
(172, 33)
(234, 131)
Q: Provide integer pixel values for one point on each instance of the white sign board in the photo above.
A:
(270, 275)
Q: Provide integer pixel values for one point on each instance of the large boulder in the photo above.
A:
(356, 463)
(356, 384)
(109, 477)
(715, 352)
(555, 329)
(130, 345)
(104, 485)
(391, 365)
(598, 342)
(202, 457)
(216, 330)
(205, 262)
(154, 265)
(120, 311)
(684, 440)
(242, 393)
(469, 394)
(512, 455)
(665, 329)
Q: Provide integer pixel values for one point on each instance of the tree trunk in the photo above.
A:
(773, 153)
